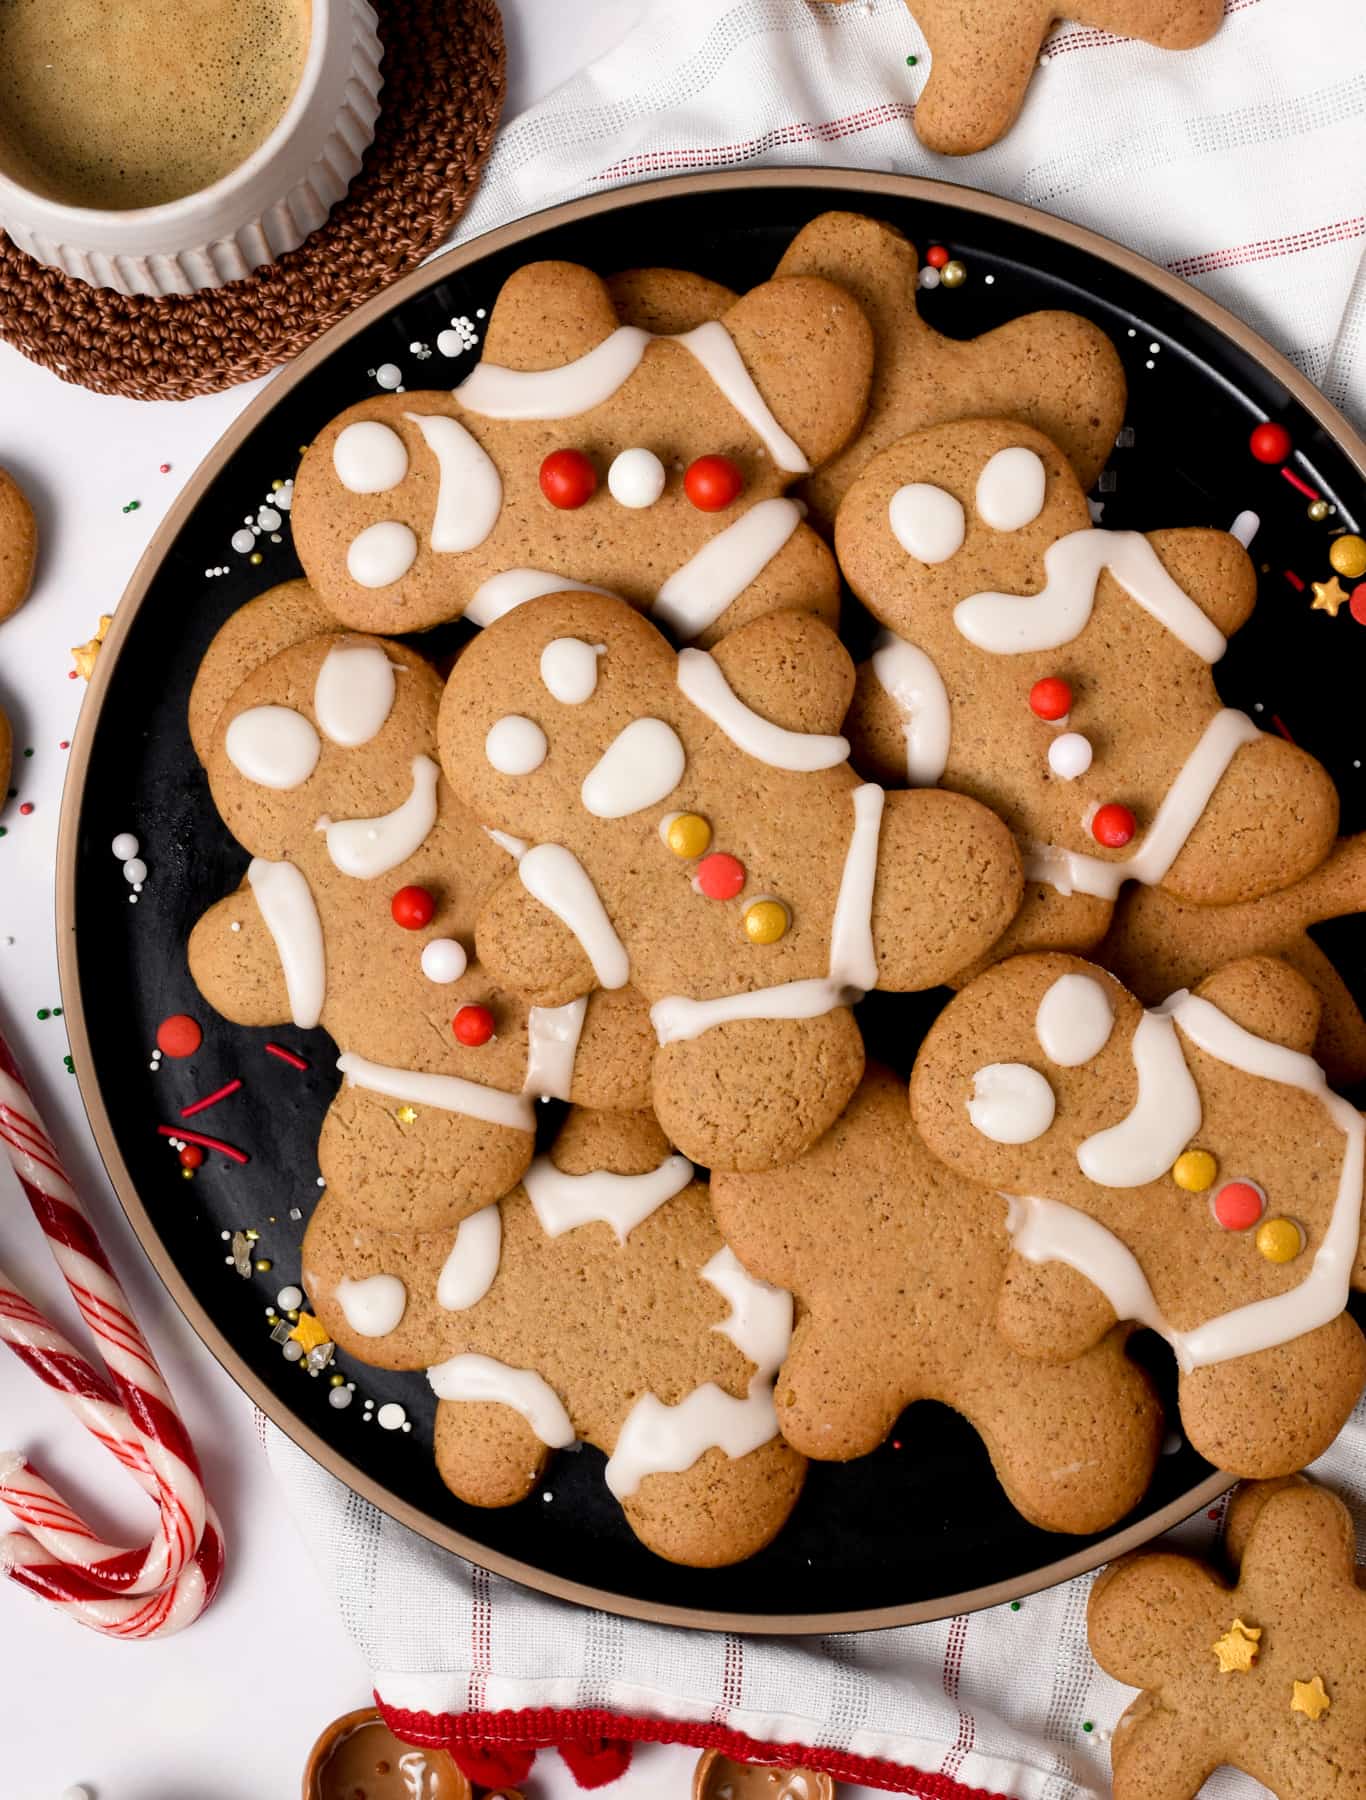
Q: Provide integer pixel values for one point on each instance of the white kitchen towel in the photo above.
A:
(1240, 166)
(997, 1702)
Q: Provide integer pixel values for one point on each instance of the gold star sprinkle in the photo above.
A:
(1310, 1698)
(84, 654)
(406, 1115)
(1328, 597)
(1237, 1648)
(309, 1332)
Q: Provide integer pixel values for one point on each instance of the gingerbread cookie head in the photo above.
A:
(896, 1263)
(1265, 1672)
(1054, 371)
(983, 56)
(283, 615)
(697, 832)
(358, 914)
(586, 451)
(595, 1302)
(1062, 673)
(1187, 1166)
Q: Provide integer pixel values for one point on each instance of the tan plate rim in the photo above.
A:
(848, 186)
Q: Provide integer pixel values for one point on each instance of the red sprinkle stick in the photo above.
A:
(1280, 726)
(209, 1143)
(1303, 486)
(1294, 581)
(295, 1062)
(198, 1106)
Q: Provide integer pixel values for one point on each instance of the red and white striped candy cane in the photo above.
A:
(136, 1419)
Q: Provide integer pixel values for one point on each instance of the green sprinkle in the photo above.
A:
(911, 61)
(70, 1066)
(4, 830)
(132, 506)
(56, 1012)
(43, 1013)
(1086, 1725)
(28, 752)
(1014, 1606)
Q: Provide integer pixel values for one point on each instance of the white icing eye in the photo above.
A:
(926, 522)
(515, 746)
(1010, 489)
(1069, 755)
(639, 767)
(569, 668)
(636, 478)
(381, 554)
(354, 693)
(1074, 1020)
(273, 746)
(1011, 1103)
(443, 961)
(369, 458)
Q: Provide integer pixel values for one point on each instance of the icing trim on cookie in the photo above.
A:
(353, 694)
(564, 1202)
(374, 1306)
(642, 765)
(1073, 871)
(448, 1093)
(552, 1034)
(366, 848)
(1165, 1116)
(511, 588)
(1011, 624)
(927, 521)
(1010, 489)
(1049, 1231)
(916, 689)
(714, 577)
(701, 680)
(853, 958)
(467, 1273)
(381, 554)
(659, 1439)
(556, 877)
(472, 1377)
(592, 379)
(1074, 1020)
(469, 493)
(516, 847)
(273, 746)
(290, 914)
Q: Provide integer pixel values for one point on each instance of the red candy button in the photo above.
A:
(1270, 443)
(712, 482)
(1113, 825)
(473, 1026)
(568, 479)
(1050, 698)
(936, 256)
(1239, 1204)
(412, 908)
(191, 1157)
(179, 1035)
(1357, 604)
(720, 876)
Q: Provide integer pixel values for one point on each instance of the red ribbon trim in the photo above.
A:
(544, 1727)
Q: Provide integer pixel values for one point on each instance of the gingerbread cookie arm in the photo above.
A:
(816, 384)
(1130, 1596)
(1267, 998)
(981, 61)
(547, 314)
(235, 964)
(721, 1510)
(612, 1062)
(668, 301)
(487, 1454)
(836, 1399)
(1270, 821)
(1050, 1311)
(790, 668)
(526, 947)
(1245, 1508)
(1158, 1754)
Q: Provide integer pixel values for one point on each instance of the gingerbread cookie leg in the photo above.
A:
(487, 1454)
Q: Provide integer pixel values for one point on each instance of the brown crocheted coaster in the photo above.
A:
(443, 89)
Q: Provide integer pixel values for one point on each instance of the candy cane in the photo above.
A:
(58, 1556)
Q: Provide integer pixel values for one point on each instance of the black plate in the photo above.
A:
(921, 1528)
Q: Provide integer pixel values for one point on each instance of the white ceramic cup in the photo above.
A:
(267, 205)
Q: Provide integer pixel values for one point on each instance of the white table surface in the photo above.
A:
(227, 1711)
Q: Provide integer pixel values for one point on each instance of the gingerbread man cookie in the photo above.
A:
(1053, 370)
(697, 832)
(896, 1263)
(357, 913)
(596, 1302)
(585, 451)
(983, 54)
(1187, 1168)
(18, 545)
(1062, 674)
(1156, 944)
(1264, 1673)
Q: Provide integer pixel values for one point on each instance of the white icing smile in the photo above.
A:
(366, 848)
(916, 688)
